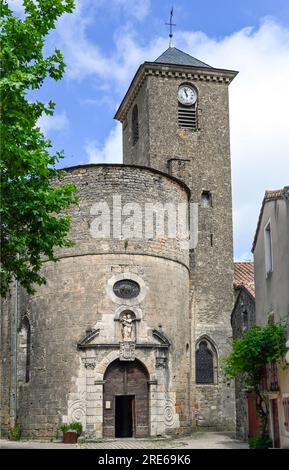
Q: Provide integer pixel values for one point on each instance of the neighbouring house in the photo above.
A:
(271, 260)
(243, 318)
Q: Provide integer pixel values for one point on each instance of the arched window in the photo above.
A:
(24, 350)
(206, 363)
(135, 133)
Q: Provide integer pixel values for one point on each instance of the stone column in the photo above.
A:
(93, 410)
(153, 406)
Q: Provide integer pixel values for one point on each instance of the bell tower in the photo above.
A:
(175, 118)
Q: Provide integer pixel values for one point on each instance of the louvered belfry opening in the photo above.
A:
(187, 116)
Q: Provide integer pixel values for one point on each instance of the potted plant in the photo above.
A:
(15, 433)
(260, 442)
(71, 432)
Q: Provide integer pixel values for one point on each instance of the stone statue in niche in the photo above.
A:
(127, 332)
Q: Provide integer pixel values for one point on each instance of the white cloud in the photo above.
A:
(57, 122)
(100, 102)
(137, 8)
(16, 6)
(86, 59)
(111, 152)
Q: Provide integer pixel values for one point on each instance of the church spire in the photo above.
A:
(171, 24)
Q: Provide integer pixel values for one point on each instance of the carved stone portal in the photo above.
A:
(127, 351)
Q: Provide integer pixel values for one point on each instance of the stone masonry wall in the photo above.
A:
(100, 183)
(6, 363)
(78, 297)
(74, 299)
(138, 153)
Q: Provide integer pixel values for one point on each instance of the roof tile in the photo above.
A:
(244, 276)
(174, 56)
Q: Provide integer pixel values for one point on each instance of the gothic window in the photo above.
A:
(205, 363)
(135, 126)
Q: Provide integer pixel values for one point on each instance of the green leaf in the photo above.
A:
(30, 226)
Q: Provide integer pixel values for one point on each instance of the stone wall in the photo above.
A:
(7, 378)
(74, 300)
(120, 185)
(65, 379)
(214, 404)
(138, 153)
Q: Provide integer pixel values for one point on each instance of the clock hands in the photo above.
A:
(187, 95)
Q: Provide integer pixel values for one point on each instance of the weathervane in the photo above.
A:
(171, 24)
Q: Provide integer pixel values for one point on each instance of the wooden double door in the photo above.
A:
(253, 421)
(126, 400)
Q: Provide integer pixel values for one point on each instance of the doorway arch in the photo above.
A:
(126, 400)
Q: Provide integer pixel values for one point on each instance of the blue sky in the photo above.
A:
(103, 43)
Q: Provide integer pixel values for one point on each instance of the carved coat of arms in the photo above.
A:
(127, 351)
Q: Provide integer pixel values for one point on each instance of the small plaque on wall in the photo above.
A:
(107, 405)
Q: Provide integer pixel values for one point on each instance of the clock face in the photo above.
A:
(187, 95)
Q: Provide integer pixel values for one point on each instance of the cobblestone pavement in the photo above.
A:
(205, 440)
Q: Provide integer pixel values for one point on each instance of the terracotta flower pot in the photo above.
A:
(70, 437)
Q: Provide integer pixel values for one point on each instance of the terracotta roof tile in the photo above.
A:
(277, 193)
(244, 276)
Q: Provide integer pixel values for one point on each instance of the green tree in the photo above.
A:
(248, 359)
(33, 218)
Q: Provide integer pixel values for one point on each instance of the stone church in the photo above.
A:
(128, 334)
